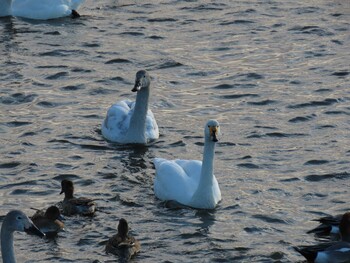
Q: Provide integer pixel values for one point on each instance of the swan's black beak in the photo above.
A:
(34, 231)
(213, 133)
(61, 192)
(137, 86)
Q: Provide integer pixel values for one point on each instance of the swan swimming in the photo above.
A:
(190, 182)
(132, 122)
(40, 9)
(15, 220)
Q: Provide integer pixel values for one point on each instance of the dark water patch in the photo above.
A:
(326, 126)
(248, 165)
(265, 127)
(17, 98)
(202, 7)
(302, 118)
(325, 102)
(276, 135)
(161, 20)
(91, 116)
(17, 123)
(83, 146)
(63, 166)
(54, 53)
(132, 33)
(336, 112)
(295, 82)
(316, 162)
(72, 87)
(223, 86)
(269, 219)
(321, 177)
(9, 165)
(58, 75)
(243, 86)
(52, 66)
(99, 91)
(238, 96)
(169, 64)
(156, 37)
(338, 42)
(251, 76)
(315, 30)
(81, 70)
(262, 103)
(117, 61)
(26, 134)
(237, 22)
(91, 45)
(292, 179)
(341, 73)
(336, 14)
(49, 104)
(323, 90)
(53, 33)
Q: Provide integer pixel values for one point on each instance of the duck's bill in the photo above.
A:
(137, 86)
(34, 231)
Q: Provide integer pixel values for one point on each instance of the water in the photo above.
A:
(274, 73)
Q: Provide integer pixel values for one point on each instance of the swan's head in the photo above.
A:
(16, 220)
(143, 80)
(212, 130)
(344, 227)
(123, 228)
(67, 188)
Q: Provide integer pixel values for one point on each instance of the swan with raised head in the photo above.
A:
(122, 244)
(190, 182)
(15, 220)
(39, 9)
(132, 122)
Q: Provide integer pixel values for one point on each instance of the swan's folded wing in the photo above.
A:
(152, 132)
(171, 182)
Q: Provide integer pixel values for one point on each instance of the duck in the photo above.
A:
(190, 182)
(75, 206)
(122, 244)
(333, 252)
(328, 225)
(49, 222)
(130, 122)
(40, 10)
(15, 220)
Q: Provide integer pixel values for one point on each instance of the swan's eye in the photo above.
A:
(19, 217)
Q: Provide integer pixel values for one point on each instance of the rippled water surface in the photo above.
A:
(274, 73)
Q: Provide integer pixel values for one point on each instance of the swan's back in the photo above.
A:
(48, 9)
(176, 179)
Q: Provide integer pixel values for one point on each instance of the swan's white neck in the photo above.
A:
(137, 128)
(207, 176)
(5, 9)
(7, 251)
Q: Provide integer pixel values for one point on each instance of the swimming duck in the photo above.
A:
(49, 222)
(15, 220)
(122, 244)
(329, 225)
(334, 252)
(72, 205)
(132, 122)
(190, 182)
(38, 9)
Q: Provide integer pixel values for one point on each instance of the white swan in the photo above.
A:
(39, 9)
(189, 182)
(132, 122)
(15, 220)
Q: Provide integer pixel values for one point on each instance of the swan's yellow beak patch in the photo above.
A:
(214, 130)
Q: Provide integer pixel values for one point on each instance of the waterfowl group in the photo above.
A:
(332, 252)
(38, 9)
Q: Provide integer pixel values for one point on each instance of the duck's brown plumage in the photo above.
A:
(72, 205)
(122, 244)
(48, 222)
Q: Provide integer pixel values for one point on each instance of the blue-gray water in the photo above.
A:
(274, 73)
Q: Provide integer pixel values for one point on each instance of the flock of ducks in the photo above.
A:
(188, 182)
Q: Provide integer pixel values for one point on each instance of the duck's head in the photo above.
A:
(16, 220)
(123, 228)
(67, 188)
(142, 80)
(344, 227)
(212, 130)
(53, 213)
